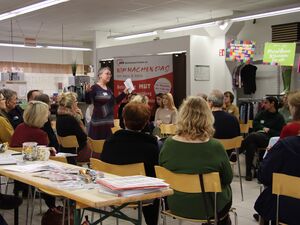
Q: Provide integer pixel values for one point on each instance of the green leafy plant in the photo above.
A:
(74, 68)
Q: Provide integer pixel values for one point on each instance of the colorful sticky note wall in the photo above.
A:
(240, 51)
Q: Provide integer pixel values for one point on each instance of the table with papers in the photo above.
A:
(87, 197)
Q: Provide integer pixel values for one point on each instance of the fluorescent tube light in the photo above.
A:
(171, 53)
(266, 14)
(46, 47)
(30, 8)
(131, 36)
(190, 27)
(68, 48)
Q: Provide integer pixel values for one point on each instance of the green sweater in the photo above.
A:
(196, 158)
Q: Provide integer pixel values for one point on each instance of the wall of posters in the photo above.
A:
(150, 75)
(282, 54)
(240, 51)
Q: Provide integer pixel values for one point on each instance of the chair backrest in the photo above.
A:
(250, 122)
(68, 141)
(96, 145)
(231, 143)
(286, 185)
(59, 159)
(168, 129)
(117, 122)
(120, 170)
(17, 149)
(115, 129)
(189, 183)
(244, 128)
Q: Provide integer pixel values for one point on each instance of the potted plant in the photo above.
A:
(74, 68)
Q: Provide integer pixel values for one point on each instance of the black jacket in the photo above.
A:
(226, 125)
(127, 147)
(284, 157)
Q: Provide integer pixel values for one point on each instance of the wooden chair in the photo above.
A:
(59, 159)
(234, 143)
(117, 122)
(192, 183)
(68, 141)
(250, 123)
(95, 145)
(285, 185)
(244, 128)
(167, 129)
(115, 129)
(120, 170)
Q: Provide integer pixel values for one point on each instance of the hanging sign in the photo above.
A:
(240, 51)
(30, 41)
(282, 54)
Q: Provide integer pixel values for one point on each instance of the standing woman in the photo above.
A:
(103, 99)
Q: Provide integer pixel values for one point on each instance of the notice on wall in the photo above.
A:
(282, 54)
(201, 73)
(150, 75)
(240, 51)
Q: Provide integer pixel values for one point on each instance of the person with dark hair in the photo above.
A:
(13, 111)
(266, 124)
(103, 99)
(32, 94)
(133, 146)
(229, 106)
(47, 126)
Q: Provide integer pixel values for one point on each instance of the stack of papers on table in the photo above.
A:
(8, 161)
(131, 185)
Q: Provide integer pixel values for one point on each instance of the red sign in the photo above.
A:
(221, 52)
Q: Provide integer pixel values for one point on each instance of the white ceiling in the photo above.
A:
(80, 18)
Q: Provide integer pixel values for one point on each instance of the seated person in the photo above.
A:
(285, 109)
(167, 111)
(13, 111)
(266, 124)
(293, 127)
(69, 122)
(226, 125)
(6, 129)
(35, 116)
(47, 126)
(133, 146)
(229, 106)
(194, 151)
(32, 94)
(283, 157)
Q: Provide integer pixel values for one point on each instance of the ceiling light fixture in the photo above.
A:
(46, 47)
(266, 14)
(190, 27)
(131, 36)
(30, 8)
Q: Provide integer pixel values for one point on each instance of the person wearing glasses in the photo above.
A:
(6, 129)
(104, 100)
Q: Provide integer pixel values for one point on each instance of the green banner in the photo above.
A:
(282, 54)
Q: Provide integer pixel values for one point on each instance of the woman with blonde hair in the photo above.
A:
(167, 111)
(35, 116)
(193, 150)
(69, 122)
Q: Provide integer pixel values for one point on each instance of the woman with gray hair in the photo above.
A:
(193, 150)
(103, 99)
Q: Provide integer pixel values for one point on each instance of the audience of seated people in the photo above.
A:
(229, 106)
(6, 129)
(194, 151)
(69, 121)
(130, 145)
(266, 124)
(167, 111)
(13, 111)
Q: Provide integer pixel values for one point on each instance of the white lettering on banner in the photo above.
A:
(144, 86)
